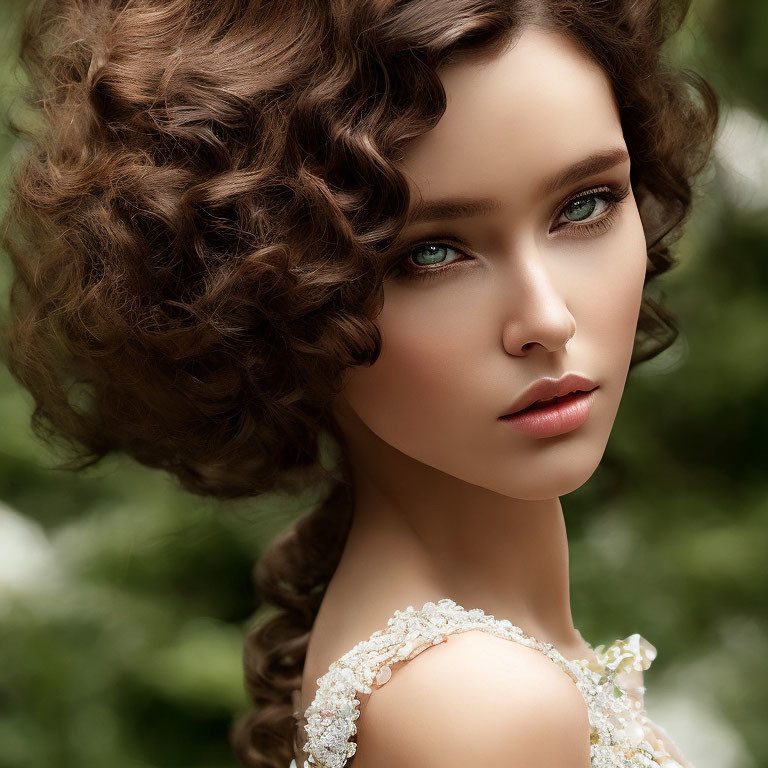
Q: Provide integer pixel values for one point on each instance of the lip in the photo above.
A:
(550, 420)
(547, 388)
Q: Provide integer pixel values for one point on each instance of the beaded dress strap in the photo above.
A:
(330, 718)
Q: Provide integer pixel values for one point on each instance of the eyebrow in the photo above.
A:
(460, 207)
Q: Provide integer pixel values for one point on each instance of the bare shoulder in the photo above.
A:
(478, 700)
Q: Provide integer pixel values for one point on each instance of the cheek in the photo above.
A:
(415, 389)
(610, 315)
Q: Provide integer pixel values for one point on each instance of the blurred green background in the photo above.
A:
(124, 600)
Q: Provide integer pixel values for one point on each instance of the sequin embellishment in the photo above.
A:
(612, 686)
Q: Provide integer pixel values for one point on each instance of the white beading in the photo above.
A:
(621, 735)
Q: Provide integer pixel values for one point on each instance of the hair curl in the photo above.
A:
(199, 226)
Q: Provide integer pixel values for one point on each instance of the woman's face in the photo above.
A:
(535, 286)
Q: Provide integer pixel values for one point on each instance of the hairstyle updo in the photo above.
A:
(199, 221)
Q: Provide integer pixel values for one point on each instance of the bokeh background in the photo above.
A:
(124, 600)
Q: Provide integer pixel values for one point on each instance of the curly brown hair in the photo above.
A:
(199, 227)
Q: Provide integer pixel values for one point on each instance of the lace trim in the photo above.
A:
(611, 685)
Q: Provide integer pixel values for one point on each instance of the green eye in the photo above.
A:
(583, 208)
(434, 253)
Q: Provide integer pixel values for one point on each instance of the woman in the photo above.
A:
(397, 248)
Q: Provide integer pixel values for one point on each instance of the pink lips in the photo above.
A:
(565, 414)
(547, 388)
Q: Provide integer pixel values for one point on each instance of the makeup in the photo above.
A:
(563, 414)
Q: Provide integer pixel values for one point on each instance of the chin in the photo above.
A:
(546, 488)
(551, 477)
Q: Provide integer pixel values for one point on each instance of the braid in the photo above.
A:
(292, 574)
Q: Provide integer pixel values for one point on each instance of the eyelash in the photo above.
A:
(611, 194)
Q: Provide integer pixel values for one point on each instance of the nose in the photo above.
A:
(535, 307)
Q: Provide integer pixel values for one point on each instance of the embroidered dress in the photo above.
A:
(621, 734)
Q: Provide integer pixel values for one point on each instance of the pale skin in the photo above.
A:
(450, 502)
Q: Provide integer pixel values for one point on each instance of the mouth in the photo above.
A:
(547, 391)
(553, 416)
(552, 401)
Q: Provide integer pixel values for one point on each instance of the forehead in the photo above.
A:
(514, 119)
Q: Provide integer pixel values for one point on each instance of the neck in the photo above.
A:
(419, 534)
